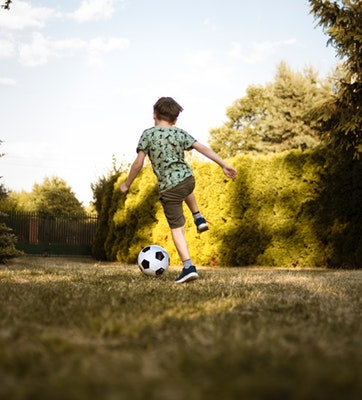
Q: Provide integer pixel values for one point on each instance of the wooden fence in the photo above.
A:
(52, 235)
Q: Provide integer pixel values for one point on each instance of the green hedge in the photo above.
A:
(286, 209)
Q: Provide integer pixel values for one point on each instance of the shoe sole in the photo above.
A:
(192, 276)
(202, 228)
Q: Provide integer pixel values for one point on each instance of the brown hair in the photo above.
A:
(167, 109)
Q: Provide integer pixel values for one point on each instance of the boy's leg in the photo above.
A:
(189, 272)
(192, 203)
(179, 239)
(200, 221)
(172, 201)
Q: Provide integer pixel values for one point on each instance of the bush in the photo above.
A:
(339, 221)
(7, 244)
(103, 194)
(135, 218)
(285, 209)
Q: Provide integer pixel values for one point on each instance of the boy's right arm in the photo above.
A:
(134, 171)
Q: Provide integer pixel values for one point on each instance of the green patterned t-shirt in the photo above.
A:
(165, 148)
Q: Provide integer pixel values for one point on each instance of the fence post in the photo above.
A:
(33, 230)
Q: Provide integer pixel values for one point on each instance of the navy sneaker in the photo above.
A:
(201, 225)
(187, 275)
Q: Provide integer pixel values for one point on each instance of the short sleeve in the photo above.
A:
(143, 143)
(188, 140)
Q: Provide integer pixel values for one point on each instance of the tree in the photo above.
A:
(7, 239)
(52, 196)
(3, 191)
(292, 94)
(103, 201)
(7, 243)
(340, 118)
(241, 131)
(6, 5)
(55, 197)
(274, 117)
(18, 201)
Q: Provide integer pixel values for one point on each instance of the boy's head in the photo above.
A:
(167, 109)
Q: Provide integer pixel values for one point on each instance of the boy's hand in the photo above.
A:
(124, 188)
(230, 172)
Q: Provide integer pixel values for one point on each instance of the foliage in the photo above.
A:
(262, 218)
(286, 125)
(53, 196)
(3, 193)
(104, 204)
(6, 5)
(105, 196)
(75, 329)
(341, 118)
(286, 209)
(125, 223)
(7, 239)
(274, 117)
(7, 244)
(295, 209)
(241, 131)
(339, 220)
(136, 215)
(18, 201)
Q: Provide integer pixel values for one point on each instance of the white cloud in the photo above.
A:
(107, 45)
(94, 10)
(6, 49)
(36, 49)
(36, 53)
(98, 46)
(21, 150)
(200, 59)
(257, 51)
(236, 50)
(203, 68)
(41, 49)
(209, 24)
(67, 46)
(23, 15)
(7, 82)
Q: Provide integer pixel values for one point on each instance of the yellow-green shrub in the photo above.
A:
(284, 209)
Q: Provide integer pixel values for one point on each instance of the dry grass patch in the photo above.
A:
(78, 329)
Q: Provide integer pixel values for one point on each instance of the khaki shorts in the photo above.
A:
(172, 200)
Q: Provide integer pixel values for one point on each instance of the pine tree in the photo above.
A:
(341, 117)
(7, 243)
(7, 239)
(292, 94)
(274, 117)
(241, 132)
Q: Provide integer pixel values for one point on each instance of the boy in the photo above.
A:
(165, 145)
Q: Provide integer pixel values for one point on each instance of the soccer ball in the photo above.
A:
(153, 260)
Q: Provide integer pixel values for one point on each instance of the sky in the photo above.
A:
(78, 78)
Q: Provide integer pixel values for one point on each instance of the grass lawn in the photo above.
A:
(78, 329)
